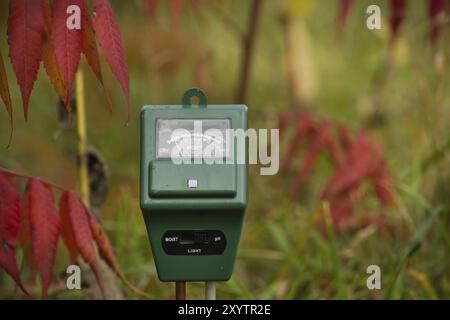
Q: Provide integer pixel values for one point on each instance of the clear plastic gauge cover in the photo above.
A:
(192, 138)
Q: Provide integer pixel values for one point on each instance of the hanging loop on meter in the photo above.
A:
(194, 92)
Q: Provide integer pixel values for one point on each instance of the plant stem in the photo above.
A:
(289, 56)
(111, 285)
(180, 290)
(210, 290)
(247, 53)
(226, 19)
(82, 138)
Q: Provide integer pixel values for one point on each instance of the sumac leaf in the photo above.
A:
(345, 138)
(45, 227)
(382, 183)
(66, 42)
(360, 163)
(9, 228)
(108, 35)
(25, 234)
(25, 30)
(77, 231)
(304, 125)
(12, 179)
(90, 51)
(5, 95)
(89, 48)
(104, 246)
(66, 228)
(36, 223)
(49, 57)
(317, 146)
(355, 160)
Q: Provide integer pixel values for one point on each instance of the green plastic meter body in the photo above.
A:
(193, 187)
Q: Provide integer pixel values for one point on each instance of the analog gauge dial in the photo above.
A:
(192, 138)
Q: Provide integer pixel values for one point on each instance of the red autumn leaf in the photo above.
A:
(49, 57)
(108, 35)
(11, 179)
(284, 119)
(78, 231)
(344, 11)
(334, 149)
(90, 50)
(398, 9)
(303, 128)
(67, 42)
(382, 184)
(354, 159)
(66, 229)
(45, 227)
(9, 228)
(359, 163)
(25, 234)
(318, 144)
(345, 138)
(364, 161)
(25, 28)
(5, 95)
(104, 246)
(436, 10)
(36, 223)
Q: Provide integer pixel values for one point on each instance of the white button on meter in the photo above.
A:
(192, 183)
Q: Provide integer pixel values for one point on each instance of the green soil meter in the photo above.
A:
(193, 186)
